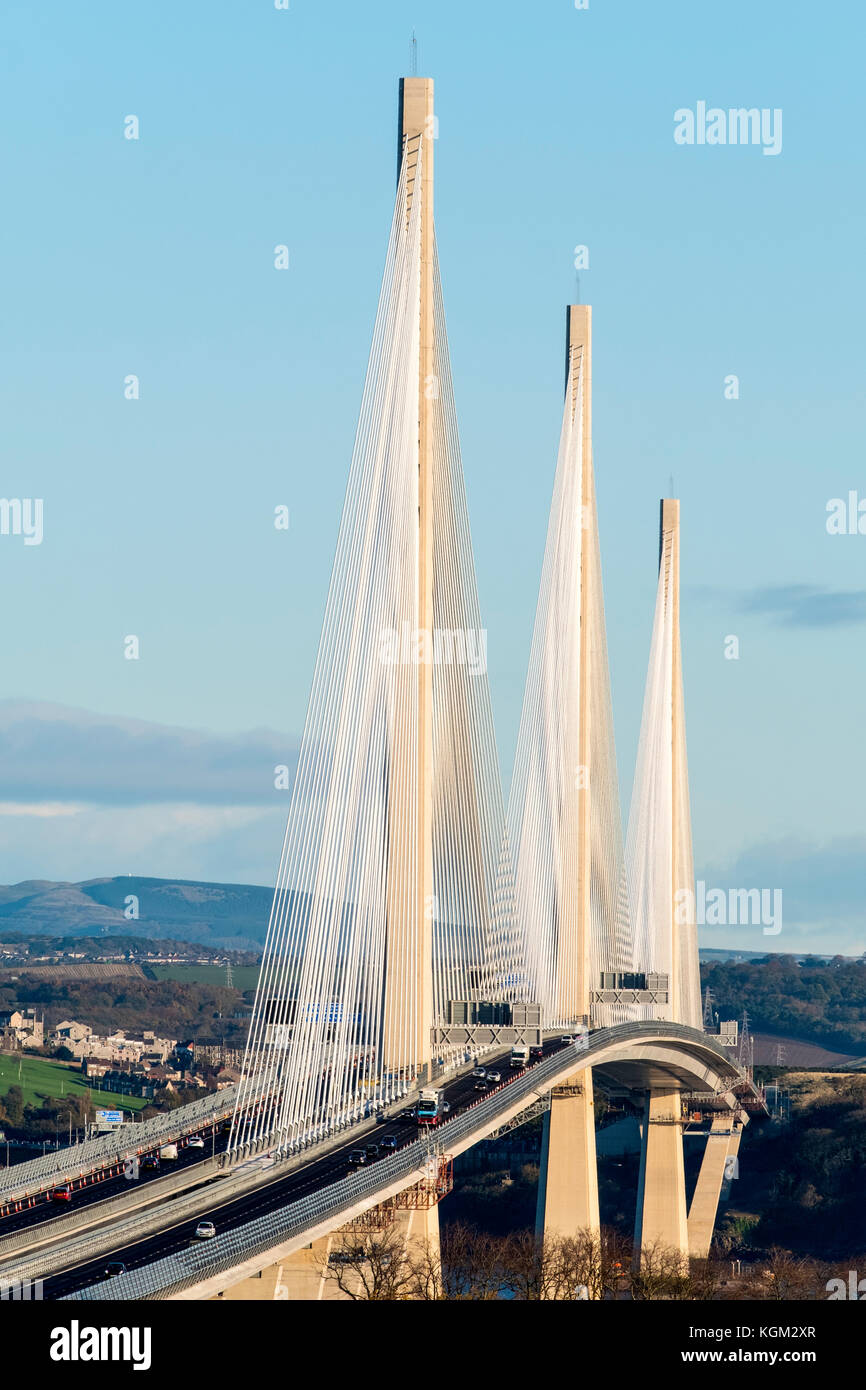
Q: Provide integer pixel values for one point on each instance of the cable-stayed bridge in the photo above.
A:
(415, 922)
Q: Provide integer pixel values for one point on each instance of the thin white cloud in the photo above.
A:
(52, 754)
(226, 844)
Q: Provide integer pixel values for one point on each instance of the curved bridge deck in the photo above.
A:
(633, 1054)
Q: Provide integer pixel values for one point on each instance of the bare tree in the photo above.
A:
(472, 1264)
(783, 1277)
(428, 1282)
(371, 1267)
(661, 1273)
(588, 1265)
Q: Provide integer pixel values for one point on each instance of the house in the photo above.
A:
(20, 1028)
(74, 1036)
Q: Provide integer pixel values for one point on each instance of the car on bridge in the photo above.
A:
(196, 1142)
(62, 1194)
(357, 1158)
(113, 1268)
(389, 1143)
(411, 1114)
(205, 1230)
(372, 1151)
(493, 1077)
(479, 1073)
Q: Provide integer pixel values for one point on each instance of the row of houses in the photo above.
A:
(120, 1047)
(22, 1029)
(126, 1063)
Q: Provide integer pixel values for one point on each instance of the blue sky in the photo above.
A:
(155, 257)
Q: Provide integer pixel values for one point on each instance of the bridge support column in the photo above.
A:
(301, 1275)
(419, 1228)
(723, 1143)
(661, 1218)
(298, 1277)
(705, 1201)
(568, 1178)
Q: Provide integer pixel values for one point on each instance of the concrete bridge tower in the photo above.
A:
(568, 1183)
(416, 132)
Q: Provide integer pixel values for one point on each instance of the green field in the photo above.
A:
(243, 976)
(41, 1080)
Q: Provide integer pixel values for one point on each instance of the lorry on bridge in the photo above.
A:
(430, 1106)
(520, 1056)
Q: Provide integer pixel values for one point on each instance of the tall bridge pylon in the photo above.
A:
(384, 908)
(563, 814)
(659, 861)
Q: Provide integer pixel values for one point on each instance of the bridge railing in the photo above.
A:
(175, 1272)
(29, 1179)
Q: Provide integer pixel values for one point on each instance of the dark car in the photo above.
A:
(410, 1115)
(381, 1118)
(114, 1267)
(388, 1143)
(372, 1151)
(357, 1157)
(150, 1163)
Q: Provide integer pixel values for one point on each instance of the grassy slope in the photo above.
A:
(243, 976)
(42, 1080)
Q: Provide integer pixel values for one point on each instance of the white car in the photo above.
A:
(479, 1073)
(494, 1077)
(205, 1230)
(195, 1143)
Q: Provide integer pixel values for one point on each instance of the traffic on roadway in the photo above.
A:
(390, 1135)
(192, 1148)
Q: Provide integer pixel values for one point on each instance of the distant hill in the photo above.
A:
(711, 953)
(779, 1050)
(230, 916)
(795, 1001)
(223, 916)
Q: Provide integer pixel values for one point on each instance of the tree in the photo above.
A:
(371, 1267)
(472, 1264)
(663, 1273)
(13, 1106)
(782, 1277)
